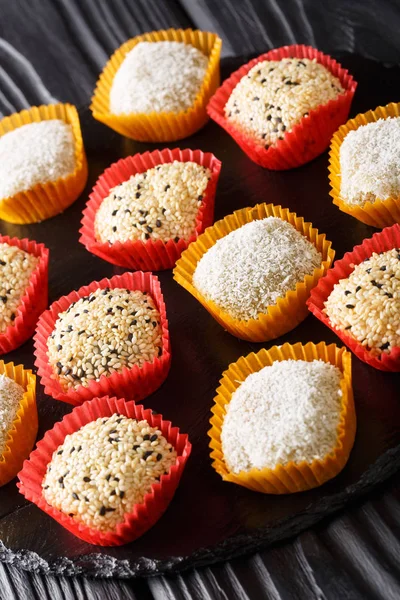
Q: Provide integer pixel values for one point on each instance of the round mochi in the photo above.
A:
(275, 95)
(103, 333)
(370, 162)
(160, 204)
(287, 412)
(11, 394)
(105, 468)
(366, 305)
(35, 153)
(16, 267)
(246, 271)
(158, 77)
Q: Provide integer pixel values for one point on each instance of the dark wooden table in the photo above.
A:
(53, 50)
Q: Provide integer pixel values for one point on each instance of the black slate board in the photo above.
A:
(209, 520)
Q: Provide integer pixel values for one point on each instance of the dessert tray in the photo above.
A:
(208, 520)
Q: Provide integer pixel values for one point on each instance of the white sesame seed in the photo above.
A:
(366, 305)
(275, 95)
(16, 267)
(96, 320)
(95, 477)
(35, 153)
(250, 268)
(286, 412)
(161, 203)
(158, 76)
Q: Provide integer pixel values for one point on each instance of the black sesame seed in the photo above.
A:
(108, 477)
(348, 327)
(347, 292)
(167, 187)
(147, 454)
(60, 452)
(81, 331)
(154, 437)
(137, 195)
(159, 457)
(269, 117)
(113, 492)
(163, 210)
(266, 146)
(383, 268)
(176, 240)
(146, 437)
(116, 478)
(75, 377)
(349, 305)
(71, 514)
(368, 271)
(128, 211)
(147, 236)
(114, 212)
(87, 479)
(158, 223)
(72, 450)
(130, 336)
(134, 322)
(61, 480)
(102, 511)
(135, 447)
(110, 509)
(358, 288)
(13, 315)
(385, 346)
(113, 431)
(121, 494)
(75, 496)
(263, 80)
(114, 229)
(2, 263)
(86, 499)
(154, 324)
(3, 299)
(388, 295)
(68, 371)
(149, 229)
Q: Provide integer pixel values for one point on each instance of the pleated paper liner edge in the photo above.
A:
(22, 434)
(160, 127)
(144, 515)
(381, 213)
(152, 255)
(132, 384)
(35, 297)
(382, 241)
(311, 136)
(292, 477)
(48, 199)
(289, 311)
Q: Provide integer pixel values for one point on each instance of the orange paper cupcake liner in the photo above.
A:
(34, 300)
(311, 136)
(289, 311)
(22, 434)
(380, 242)
(133, 384)
(144, 515)
(164, 126)
(48, 199)
(152, 255)
(291, 477)
(381, 213)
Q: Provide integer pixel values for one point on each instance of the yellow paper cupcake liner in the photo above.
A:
(381, 213)
(22, 434)
(164, 126)
(289, 311)
(291, 477)
(48, 199)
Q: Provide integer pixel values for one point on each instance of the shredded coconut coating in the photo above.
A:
(101, 334)
(366, 305)
(159, 77)
(289, 411)
(275, 95)
(247, 271)
(11, 394)
(370, 162)
(161, 203)
(35, 153)
(101, 471)
(16, 267)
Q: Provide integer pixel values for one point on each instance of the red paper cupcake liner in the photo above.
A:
(380, 242)
(133, 384)
(311, 136)
(144, 515)
(33, 302)
(151, 255)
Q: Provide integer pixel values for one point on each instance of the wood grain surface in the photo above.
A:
(53, 49)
